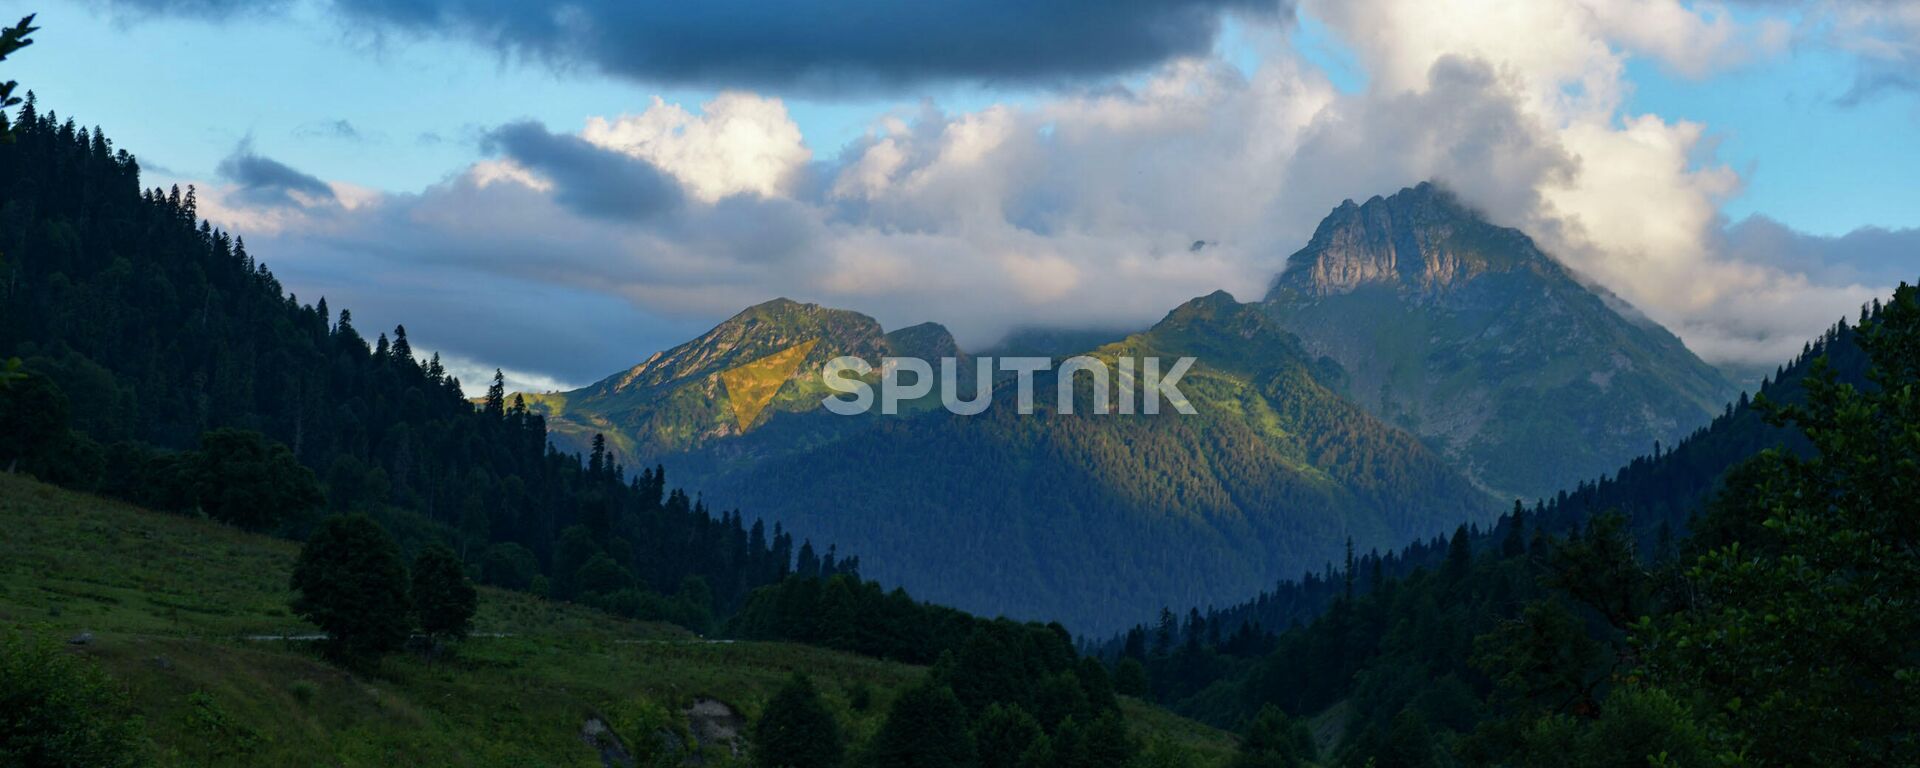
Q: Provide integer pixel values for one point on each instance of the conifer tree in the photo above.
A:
(796, 730)
(1515, 542)
(925, 728)
(496, 405)
(12, 39)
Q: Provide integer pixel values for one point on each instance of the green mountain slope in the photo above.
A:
(677, 401)
(177, 607)
(1079, 518)
(1468, 335)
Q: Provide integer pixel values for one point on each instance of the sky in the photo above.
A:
(561, 189)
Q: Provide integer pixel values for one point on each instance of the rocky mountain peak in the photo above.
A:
(1421, 239)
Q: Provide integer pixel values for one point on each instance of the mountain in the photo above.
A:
(1470, 336)
(1080, 518)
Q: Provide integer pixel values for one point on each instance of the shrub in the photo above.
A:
(59, 709)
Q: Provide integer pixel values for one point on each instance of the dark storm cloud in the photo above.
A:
(588, 180)
(812, 45)
(265, 181)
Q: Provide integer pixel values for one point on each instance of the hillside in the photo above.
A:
(1081, 519)
(1468, 335)
(178, 607)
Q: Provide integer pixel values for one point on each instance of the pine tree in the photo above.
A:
(496, 405)
(402, 351)
(597, 460)
(1459, 553)
(797, 730)
(12, 39)
(1515, 542)
(925, 728)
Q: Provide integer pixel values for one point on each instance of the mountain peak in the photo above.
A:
(1421, 239)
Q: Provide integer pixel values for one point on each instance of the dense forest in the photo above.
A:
(1739, 600)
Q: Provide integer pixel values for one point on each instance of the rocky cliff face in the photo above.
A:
(1470, 336)
(1420, 241)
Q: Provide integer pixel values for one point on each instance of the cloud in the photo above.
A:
(265, 182)
(330, 129)
(1883, 36)
(587, 179)
(738, 143)
(1868, 255)
(212, 10)
(575, 254)
(818, 46)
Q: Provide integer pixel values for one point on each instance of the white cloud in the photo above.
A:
(1081, 209)
(738, 143)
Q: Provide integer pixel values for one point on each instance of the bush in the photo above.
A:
(303, 691)
(57, 709)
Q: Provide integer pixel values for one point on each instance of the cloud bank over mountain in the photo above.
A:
(1080, 207)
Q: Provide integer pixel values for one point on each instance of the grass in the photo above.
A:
(172, 603)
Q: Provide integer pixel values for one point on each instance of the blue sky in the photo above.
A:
(366, 97)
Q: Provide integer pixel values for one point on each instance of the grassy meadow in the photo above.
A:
(186, 616)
